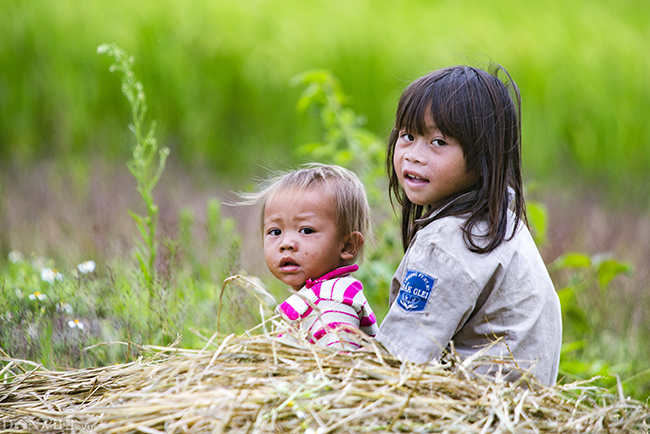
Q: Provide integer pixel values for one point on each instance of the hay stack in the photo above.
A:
(257, 384)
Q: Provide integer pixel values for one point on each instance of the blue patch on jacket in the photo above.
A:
(415, 291)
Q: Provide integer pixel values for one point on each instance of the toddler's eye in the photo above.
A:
(307, 231)
(274, 232)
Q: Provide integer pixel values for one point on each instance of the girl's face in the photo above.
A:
(430, 167)
(301, 237)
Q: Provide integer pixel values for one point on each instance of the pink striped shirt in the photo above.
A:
(331, 309)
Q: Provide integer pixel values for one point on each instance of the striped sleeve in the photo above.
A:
(332, 312)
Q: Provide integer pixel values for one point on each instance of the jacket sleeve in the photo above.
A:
(433, 297)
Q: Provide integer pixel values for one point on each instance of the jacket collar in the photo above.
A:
(458, 204)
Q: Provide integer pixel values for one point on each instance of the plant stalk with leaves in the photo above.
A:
(143, 166)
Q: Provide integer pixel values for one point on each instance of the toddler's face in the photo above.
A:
(301, 237)
(430, 167)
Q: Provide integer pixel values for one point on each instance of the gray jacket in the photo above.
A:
(444, 292)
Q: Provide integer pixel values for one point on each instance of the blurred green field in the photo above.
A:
(218, 80)
(218, 77)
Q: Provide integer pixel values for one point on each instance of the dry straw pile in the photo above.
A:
(256, 383)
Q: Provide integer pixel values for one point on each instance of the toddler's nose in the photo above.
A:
(288, 244)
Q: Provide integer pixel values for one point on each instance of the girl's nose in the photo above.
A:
(416, 152)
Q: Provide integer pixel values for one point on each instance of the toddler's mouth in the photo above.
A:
(288, 264)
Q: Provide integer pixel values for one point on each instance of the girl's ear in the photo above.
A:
(351, 245)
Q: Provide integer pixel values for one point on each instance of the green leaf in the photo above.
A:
(313, 93)
(567, 295)
(610, 268)
(229, 225)
(308, 148)
(574, 367)
(46, 343)
(569, 347)
(537, 217)
(313, 76)
(344, 157)
(571, 260)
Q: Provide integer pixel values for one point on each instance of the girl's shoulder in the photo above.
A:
(442, 245)
(447, 234)
(443, 231)
(441, 238)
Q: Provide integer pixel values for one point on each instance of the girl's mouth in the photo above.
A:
(415, 179)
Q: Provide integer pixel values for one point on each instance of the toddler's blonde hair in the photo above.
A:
(349, 195)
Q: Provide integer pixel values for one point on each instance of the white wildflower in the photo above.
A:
(49, 275)
(86, 267)
(32, 331)
(64, 307)
(38, 261)
(15, 257)
(37, 296)
(76, 324)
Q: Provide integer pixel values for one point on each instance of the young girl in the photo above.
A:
(471, 273)
(313, 224)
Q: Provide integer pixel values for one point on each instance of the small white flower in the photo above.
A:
(49, 275)
(32, 331)
(64, 307)
(38, 261)
(301, 414)
(86, 267)
(15, 257)
(37, 296)
(76, 324)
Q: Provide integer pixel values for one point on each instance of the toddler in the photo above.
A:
(313, 226)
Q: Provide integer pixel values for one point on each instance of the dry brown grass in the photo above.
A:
(255, 383)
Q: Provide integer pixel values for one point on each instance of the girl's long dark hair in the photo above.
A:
(483, 113)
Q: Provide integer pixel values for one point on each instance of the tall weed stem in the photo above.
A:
(143, 166)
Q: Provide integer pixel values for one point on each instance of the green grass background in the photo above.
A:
(217, 73)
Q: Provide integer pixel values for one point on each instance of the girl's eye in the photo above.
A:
(438, 142)
(307, 231)
(274, 232)
(408, 137)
